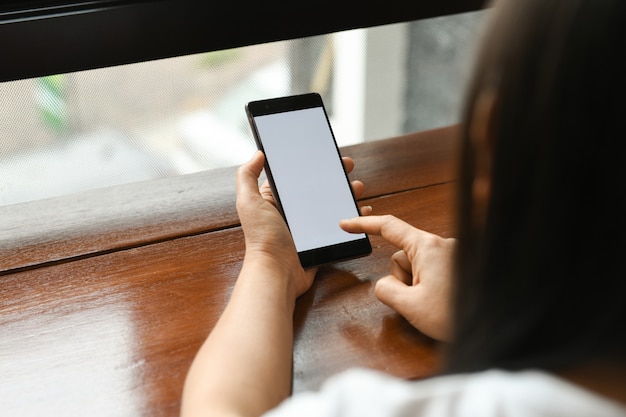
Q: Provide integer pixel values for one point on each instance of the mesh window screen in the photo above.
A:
(65, 133)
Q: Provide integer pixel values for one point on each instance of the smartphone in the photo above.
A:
(306, 174)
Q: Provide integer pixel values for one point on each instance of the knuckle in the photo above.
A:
(433, 241)
(386, 219)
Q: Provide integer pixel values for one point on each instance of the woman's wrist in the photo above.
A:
(270, 275)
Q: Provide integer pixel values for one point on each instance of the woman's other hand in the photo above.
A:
(419, 285)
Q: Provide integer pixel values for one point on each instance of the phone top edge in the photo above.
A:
(283, 104)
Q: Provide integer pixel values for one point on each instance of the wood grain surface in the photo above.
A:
(106, 296)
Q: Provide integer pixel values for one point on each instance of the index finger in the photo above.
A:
(397, 232)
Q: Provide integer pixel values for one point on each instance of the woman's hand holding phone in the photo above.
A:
(267, 237)
(420, 283)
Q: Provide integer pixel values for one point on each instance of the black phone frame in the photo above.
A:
(327, 254)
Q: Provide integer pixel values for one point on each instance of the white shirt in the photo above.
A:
(362, 393)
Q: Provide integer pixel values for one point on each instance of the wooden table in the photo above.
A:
(105, 296)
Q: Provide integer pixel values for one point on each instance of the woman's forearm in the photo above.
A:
(244, 366)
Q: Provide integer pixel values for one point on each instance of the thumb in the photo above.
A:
(394, 293)
(248, 173)
(247, 180)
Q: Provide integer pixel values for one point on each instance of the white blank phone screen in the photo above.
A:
(309, 176)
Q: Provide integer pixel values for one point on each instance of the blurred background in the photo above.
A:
(66, 133)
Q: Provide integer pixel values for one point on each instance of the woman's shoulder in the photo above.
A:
(362, 392)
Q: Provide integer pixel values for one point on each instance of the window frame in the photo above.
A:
(52, 37)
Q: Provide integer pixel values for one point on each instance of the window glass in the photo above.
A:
(65, 133)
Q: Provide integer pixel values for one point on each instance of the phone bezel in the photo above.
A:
(326, 254)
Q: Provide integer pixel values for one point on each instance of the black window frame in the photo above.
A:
(51, 37)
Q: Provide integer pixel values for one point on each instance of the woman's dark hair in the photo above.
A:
(541, 282)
